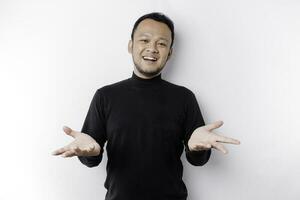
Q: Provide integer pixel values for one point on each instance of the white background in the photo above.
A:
(240, 58)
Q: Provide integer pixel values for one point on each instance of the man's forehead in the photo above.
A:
(147, 34)
(153, 27)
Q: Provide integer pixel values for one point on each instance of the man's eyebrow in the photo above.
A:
(147, 34)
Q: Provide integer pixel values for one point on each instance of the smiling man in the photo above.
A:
(147, 122)
(150, 46)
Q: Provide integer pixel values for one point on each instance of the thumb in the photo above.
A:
(214, 125)
(69, 131)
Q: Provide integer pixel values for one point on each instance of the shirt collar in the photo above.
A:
(138, 80)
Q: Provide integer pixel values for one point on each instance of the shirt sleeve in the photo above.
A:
(95, 126)
(193, 119)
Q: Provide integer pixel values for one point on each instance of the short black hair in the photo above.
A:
(157, 16)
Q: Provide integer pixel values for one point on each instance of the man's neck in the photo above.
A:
(143, 76)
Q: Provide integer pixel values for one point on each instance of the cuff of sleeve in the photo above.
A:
(198, 158)
(200, 152)
(90, 161)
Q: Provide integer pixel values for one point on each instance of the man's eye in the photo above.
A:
(144, 40)
(162, 44)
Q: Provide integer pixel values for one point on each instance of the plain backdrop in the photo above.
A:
(240, 58)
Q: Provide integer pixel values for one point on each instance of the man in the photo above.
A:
(146, 122)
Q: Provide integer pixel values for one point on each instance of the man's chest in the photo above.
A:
(151, 112)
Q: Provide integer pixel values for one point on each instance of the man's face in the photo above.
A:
(150, 47)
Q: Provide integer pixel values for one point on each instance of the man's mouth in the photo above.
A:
(149, 58)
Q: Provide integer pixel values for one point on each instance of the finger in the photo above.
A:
(75, 149)
(79, 152)
(214, 125)
(59, 151)
(69, 131)
(227, 140)
(220, 147)
(69, 153)
(91, 147)
(83, 151)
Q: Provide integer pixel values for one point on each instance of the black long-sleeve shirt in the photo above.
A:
(146, 124)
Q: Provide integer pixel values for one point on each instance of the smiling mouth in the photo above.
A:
(148, 58)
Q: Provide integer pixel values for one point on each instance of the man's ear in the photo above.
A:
(130, 46)
(170, 53)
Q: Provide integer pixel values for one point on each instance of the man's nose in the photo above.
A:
(152, 48)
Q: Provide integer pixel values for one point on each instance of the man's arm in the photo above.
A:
(193, 120)
(95, 126)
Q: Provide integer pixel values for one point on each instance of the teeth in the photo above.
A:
(149, 58)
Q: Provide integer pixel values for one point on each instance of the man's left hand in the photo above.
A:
(203, 138)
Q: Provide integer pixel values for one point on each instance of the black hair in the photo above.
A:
(157, 16)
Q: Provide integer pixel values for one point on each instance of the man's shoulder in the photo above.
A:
(179, 88)
(113, 86)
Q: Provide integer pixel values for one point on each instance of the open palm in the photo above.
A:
(203, 138)
(83, 145)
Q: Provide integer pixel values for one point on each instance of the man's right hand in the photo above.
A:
(83, 145)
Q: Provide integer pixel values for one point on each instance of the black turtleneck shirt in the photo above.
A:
(146, 124)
